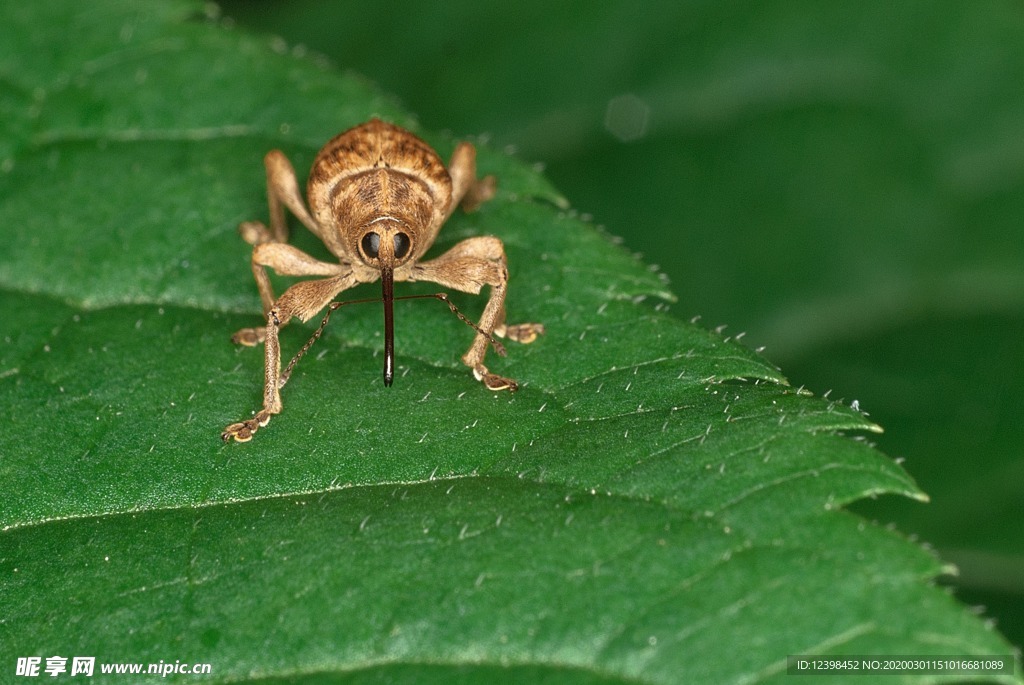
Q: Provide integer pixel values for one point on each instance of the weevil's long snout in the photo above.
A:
(387, 282)
(384, 246)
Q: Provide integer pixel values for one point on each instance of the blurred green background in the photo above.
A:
(844, 182)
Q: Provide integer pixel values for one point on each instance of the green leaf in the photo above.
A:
(655, 505)
(842, 180)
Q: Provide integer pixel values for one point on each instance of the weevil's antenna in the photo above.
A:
(443, 297)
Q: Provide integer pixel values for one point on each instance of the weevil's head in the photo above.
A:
(385, 245)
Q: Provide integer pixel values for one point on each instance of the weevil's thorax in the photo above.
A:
(377, 179)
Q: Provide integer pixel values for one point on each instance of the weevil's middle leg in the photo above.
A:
(256, 233)
(524, 333)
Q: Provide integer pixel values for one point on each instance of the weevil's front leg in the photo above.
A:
(470, 265)
(244, 430)
(303, 300)
(286, 261)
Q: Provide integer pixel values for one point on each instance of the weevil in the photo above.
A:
(377, 195)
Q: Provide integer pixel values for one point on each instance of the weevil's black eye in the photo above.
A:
(401, 245)
(371, 245)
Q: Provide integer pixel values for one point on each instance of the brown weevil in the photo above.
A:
(378, 195)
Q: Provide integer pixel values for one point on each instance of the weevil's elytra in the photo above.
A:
(376, 171)
(377, 197)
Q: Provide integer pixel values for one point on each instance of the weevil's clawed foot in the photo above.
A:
(243, 430)
(481, 191)
(254, 232)
(493, 381)
(524, 333)
(250, 337)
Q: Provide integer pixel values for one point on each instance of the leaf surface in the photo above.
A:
(842, 181)
(654, 505)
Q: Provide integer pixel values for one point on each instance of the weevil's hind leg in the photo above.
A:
(467, 189)
(282, 191)
(470, 265)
